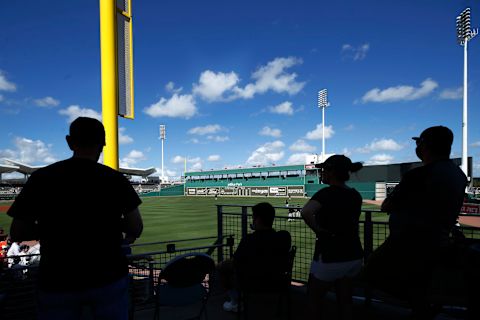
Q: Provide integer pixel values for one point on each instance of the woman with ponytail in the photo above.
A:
(333, 214)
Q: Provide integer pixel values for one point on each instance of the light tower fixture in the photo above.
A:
(464, 35)
(162, 137)
(323, 103)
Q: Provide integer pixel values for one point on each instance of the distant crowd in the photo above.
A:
(18, 254)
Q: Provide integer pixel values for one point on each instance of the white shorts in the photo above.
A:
(332, 271)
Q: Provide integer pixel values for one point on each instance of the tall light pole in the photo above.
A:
(162, 137)
(465, 34)
(323, 103)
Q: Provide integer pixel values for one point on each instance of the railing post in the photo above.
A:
(220, 231)
(368, 249)
(230, 243)
(244, 221)
(368, 235)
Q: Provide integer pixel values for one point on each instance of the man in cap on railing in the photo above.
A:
(423, 210)
(93, 205)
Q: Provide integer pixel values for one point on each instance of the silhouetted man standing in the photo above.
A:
(79, 209)
(423, 210)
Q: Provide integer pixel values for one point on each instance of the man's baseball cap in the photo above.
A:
(438, 136)
(337, 161)
(87, 132)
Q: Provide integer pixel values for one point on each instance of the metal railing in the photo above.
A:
(18, 283)
(144, 268)
(373, 230)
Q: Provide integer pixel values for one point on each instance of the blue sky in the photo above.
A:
(235, 82)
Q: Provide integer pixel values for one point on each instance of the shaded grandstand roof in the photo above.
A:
(5, 168)
(246, 170)
(137, 172)
(17, 166)
(22, 167)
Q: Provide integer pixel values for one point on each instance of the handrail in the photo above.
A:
(143, 255)
(168, 242)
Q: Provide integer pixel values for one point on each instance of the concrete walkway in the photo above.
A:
(377, 311)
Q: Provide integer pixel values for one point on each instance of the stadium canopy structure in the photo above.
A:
(17, 166)
(5, 168)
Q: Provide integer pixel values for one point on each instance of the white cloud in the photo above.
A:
(380, 159)
(169, 173)
(166, 171)
(8, 153)
(212, 86)
(178, 106)
(132, 158)
(452, 94)
(268, 153)
(29, 151)
(272, 76)
(316, 134)
(46, 102)
(170, 87)
(218, 138)
(355, 53)
(178, 159)
(346, 152)
(208, 129)
(400, 93)
(267, 131)
(213, 157)
(122, 137)
(194, 160)
(194, 141)
(220, 86)
(196, 163)
(196, 167)
(475, 144)
(6, 85)
(282, 108)
(74, 111)
(301, 146)
(381, 145)
(297, 158)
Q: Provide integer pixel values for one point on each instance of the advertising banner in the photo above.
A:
(201, 191)
(212, 191)
(278, 191)
(191, 191)
(228, 191)
(296, 191)
(259, 191)
(470, 208)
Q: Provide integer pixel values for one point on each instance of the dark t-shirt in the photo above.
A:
(261, 257)
(339, 214)
(78, 205)
(428, 201)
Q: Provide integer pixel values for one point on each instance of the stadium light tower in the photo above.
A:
(464, 35)
(323, 103)
(162, 137)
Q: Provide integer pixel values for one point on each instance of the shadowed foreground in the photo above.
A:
(259, 310)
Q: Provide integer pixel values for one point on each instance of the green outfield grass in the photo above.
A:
(174, 218)
(178, 218)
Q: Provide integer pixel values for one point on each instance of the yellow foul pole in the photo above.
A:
(108, 51)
